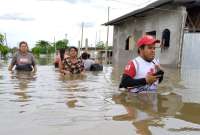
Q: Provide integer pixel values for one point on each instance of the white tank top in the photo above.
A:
(143, 68)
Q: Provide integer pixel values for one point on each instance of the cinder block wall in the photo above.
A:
(169, 16)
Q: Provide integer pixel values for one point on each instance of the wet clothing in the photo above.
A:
(56, 61)
(135, 73)
(96, 67)
(56, 65)
(74, 68)
(23, 62)
(88, 63)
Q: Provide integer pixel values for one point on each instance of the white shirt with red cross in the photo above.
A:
(139, 68)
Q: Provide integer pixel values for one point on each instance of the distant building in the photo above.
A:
(177, 22)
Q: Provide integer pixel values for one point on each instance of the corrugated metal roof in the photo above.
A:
(149, 7)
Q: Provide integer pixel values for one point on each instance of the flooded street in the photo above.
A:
(47, 103)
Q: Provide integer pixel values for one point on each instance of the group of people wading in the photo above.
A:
(143, 73)
(68, 62)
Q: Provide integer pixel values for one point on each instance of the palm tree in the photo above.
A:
(43, 46)
(62, 44)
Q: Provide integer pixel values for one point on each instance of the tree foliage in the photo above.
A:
(3, 49)
(101, 45)
(13, 50)
(45, 47)
(61, 44)
(42, 47)
(1, 39)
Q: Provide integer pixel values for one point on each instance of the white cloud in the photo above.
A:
(33, 20)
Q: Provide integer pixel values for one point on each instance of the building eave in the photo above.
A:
(138, 12)
(156, 4)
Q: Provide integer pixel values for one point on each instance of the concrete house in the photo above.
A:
(175, 22)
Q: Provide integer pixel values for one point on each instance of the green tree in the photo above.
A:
(36, 51)
(101, 45)
(45, 47)
(61, 44)
(4, 50)
(110, 47)
(42, 46)
(42, 43)
(1, 39)
(13, 50)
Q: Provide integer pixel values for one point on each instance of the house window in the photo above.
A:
(151, 33)
(130, 43)
(165, 42)
(127, 43)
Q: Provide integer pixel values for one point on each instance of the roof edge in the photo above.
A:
(147, 8)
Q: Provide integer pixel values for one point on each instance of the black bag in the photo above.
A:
(24, 67)
(96, 67)
(159, 74)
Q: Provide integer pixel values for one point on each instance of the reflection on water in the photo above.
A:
(50, 103)
(22, 82)
(45, 59)
(148, 110)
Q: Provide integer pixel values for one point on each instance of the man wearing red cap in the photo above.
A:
(143, 73)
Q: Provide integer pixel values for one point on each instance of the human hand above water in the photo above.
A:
(151, 79)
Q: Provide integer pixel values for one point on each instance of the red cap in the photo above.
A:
(147, 40)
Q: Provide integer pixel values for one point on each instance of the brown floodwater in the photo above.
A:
(47, 103)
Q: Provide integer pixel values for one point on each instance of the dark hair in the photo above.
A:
(62, 52)
(23, 42)
(73, 47)
(88, 55)
(141, 47)
(84, 55)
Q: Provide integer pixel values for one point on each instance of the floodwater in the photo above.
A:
(47, 103)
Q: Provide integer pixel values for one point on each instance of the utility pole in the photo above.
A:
(95, 46)
(54, 42)
(106, 47)
(6, 39)
(66, 38)
(86, 44)
(99, 35)
(81, 45)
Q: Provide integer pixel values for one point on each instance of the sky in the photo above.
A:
(53, 20)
